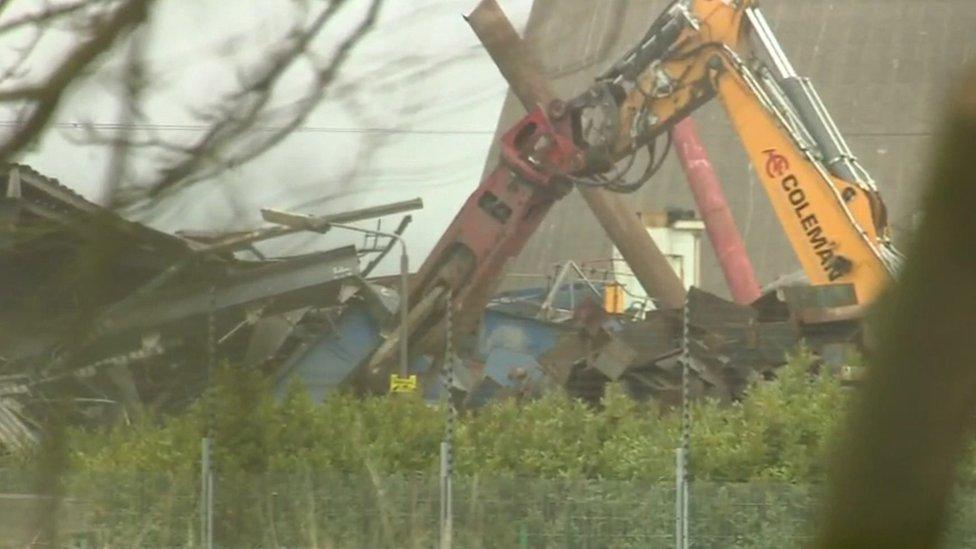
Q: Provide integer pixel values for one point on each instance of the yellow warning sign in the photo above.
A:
(403, 384)
(613, 298)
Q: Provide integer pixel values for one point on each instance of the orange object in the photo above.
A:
(613, 298)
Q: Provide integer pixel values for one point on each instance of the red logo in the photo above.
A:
(776, 164)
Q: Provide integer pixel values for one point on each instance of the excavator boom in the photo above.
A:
(827, 204)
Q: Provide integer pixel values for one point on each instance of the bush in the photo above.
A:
(778, 432)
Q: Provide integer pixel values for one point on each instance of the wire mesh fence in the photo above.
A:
(752, 515)
(309, 510)
(339, 511)
(363, 511)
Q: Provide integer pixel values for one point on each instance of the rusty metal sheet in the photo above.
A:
(850, 313)
(614, 359)
(728, 343)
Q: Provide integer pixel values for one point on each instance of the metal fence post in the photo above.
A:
(447, 510)
(682, 497)
(206, 450)
(680, 500)
(685, 498)
(446, 497)
(206, 495)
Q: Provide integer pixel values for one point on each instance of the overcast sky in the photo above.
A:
(384, 136)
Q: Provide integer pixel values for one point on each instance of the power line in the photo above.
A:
(204, 127)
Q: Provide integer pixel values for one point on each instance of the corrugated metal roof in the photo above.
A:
(882, 67)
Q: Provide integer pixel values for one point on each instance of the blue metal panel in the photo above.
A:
(508, 342)
(328, 361)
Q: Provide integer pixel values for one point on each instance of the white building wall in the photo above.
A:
(681, 244)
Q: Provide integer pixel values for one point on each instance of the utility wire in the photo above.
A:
(204, 127)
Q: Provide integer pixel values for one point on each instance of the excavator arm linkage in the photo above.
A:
(828, 206)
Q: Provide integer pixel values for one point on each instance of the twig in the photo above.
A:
(24, 52)
(247, 108)
(44, 16)
(47, 97)
(133, 81)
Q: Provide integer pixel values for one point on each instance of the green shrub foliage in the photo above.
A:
(778, 432)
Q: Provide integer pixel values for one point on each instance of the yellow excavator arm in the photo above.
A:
(698, 50)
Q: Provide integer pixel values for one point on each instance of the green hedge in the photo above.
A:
(553, 472)
(778, 432)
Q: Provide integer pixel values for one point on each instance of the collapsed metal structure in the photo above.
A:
(114, 317)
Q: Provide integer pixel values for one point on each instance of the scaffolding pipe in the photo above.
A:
(714, 210)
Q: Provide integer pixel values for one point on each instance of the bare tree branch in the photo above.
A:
(246, 109)
(243, 125)
(15, 69)
(44, 16)
(22, 94)
(134, 83)
(4, 4)
(301, 109)
(46, 97)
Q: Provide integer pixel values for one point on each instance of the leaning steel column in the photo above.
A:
(618, 219)
(714, 210)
